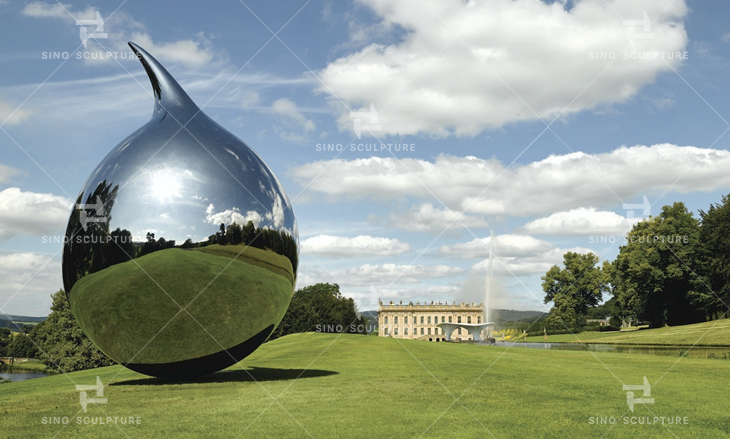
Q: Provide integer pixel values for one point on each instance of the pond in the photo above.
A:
(673, 351)
(20, 375)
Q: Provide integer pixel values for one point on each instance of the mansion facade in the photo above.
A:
(419, 321)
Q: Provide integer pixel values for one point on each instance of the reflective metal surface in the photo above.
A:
(181, 254)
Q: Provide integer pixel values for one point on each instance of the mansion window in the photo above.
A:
(422, 320)
(468, 319)
(405, 331)
(396, 331)
(405, 320)
(479, 319)
(429, 320)
(396, 320)
(386, 320)
(449, 320)
(458, 321)
(421, 331)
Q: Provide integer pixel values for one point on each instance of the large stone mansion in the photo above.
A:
(418, 321)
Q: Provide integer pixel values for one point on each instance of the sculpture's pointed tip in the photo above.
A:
(168, 93)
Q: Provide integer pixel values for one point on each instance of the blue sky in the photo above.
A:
(470, 85)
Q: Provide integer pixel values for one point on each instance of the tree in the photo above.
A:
(654, 279)
(233, 234)
(21, 346)
(63, 343)
(5, 335)
(574, 289)
(320, 307)
(712, 288)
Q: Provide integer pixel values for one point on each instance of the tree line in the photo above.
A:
(673, 269)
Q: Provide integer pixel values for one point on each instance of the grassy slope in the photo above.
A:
(715, 333)
(261, 258)
(129, 308)
(365, 386)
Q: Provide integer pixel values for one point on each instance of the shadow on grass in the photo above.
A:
(227, 376)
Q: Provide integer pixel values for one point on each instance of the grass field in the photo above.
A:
(715, 333)
(364, 386)
(122, 309)
(261, 258)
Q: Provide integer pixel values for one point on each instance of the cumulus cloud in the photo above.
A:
(427, 218)
(362, 245)
(517, 255)
(30, 213)
(296, 126)
(580, 222)
(232, 215)
(29, 279)
(514, 60)
(554, 184)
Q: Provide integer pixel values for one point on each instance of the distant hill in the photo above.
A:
(14, 322)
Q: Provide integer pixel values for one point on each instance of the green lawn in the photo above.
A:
(715, 333)
(133, 318)
(369, 387)
(568, 338)
(261, 258)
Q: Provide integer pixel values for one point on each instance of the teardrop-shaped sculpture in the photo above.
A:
(181, 252)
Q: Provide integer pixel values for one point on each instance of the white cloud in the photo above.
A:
(534, 264)
(232, 215)
(7, 173)
(427, 218)
(580, 222)
(120, 28)
(541, 50)
(12, 115)
(297, 126)
(46, 10)
(194, 53)
(33, 277)
(30, 213)
(517, 255)
(367, 274)
(557, 183)
(362, 245)
(504, 246)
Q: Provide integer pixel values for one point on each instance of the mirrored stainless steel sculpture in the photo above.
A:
(181, 253)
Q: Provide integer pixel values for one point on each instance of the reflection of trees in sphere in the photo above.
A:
(181, 253)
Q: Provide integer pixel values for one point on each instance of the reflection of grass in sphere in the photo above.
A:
(121, 308)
